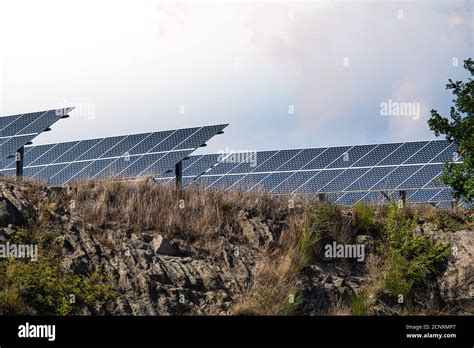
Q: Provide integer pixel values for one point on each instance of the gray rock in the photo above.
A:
(255, 230)
(456, 284)
(161, 245)
(367, 241)
(9, 214)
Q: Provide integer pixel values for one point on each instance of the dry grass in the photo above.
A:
(194, 215)
(276, 290)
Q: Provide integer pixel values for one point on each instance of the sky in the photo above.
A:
(283, 74)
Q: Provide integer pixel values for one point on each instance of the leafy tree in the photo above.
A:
(459, 128)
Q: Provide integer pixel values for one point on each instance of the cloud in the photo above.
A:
(138, 63)
(391, 51)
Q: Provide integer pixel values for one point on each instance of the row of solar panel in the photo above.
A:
(331, 180)
(18, 130)
(438, 151)
(125, 166)
(124, 156)
(427, 195)
(347, 173)
(112, 147)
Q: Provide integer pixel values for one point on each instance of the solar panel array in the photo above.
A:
(121, 156)
(18, 130)
(346, 174)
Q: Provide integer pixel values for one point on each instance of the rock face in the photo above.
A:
(155, 274)
(327, 290)
(9, 213)
(151, 278)
(456, 284)
(255, 230)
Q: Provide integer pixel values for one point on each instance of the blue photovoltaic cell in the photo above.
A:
(448, 155)
(66, 172)
(248, 182)
(224, 167)
(68, 154)
(10, 145)
(374, 198)
(199, 137)
(318, 181)
(9, 172)
(275, 162)
(20, 123)
(369, 179)
(350, 157)
(48, 171)
(344, 179)
(429, 152)
(167, 161)
(396, 177)
(302, 158)
(253, 161)
(420, 196)
(149, 142)
(443, 195)
(272, 180)
(423, 177)
(48, 156)
(225, 181)
(191, 161)
(125, 146)
(231, 162)
(404, 152)
(377, 155)
(200, 166)
(174, 140)
(296, 179)
(98, 150)
(94, 170)
(326, 158)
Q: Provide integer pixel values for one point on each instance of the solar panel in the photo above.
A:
(347, 173)
(121, 156)
(18, 130)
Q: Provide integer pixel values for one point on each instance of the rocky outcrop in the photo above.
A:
(255, 230)
(154, 277)
(158, 274)
(327, 290)
(456, 283)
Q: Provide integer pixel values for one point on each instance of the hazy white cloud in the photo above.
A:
(139, 64)
(347, 55)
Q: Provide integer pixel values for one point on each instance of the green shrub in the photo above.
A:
(278, 300)
(45, 288)
(411, 258)
(445, 220)
(325, 224)
(357, 303)
(363, 217)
